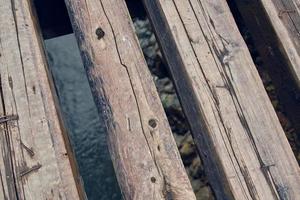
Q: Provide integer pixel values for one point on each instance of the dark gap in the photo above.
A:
(264, 47)
(53, 18)
(136, 9)
(86, 128)
(165, 87)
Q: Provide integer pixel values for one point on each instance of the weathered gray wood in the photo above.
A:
(284, 16)
(273, 60)
(36, 161)
(244, 148)
(143, 151)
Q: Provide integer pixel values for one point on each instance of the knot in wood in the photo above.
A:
(100, 33)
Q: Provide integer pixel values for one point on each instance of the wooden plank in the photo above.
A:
(143, 150)
(244, 148)
(36, 161)
(285, 19)
(271, 59)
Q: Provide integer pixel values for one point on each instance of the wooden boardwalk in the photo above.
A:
(245, 151)
(242, 143)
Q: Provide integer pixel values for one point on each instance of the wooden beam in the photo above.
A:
(143, 150)
(244, 148)
(272, 60)
(284, 16)
(36, 161)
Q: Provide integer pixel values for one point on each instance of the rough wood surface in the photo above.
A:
(271, 59)
(284, 15)
(244, 148)
(143, 150)
(36, 161)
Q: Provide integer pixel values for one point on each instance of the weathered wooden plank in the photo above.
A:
(143, 151)
(245, 151)
(271, 58)
(284, 16)
(36, 161)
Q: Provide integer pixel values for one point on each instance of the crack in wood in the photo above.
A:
(14, 10)
(133, 90)
(223, 50)
(243, 169)
(7, 157)
(228, 83)
(170, 48)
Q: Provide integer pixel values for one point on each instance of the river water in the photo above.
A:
(86, 128)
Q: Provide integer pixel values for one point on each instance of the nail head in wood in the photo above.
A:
(153, 179)
(100, 33)
(152, 123)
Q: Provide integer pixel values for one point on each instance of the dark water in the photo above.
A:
(86, 128)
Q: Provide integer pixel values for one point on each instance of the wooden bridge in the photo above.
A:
(242, 144)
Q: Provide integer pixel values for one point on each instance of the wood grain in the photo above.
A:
(142, 148)
(241, 141)
(36, 161)
(270, 58)
(284, 16)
